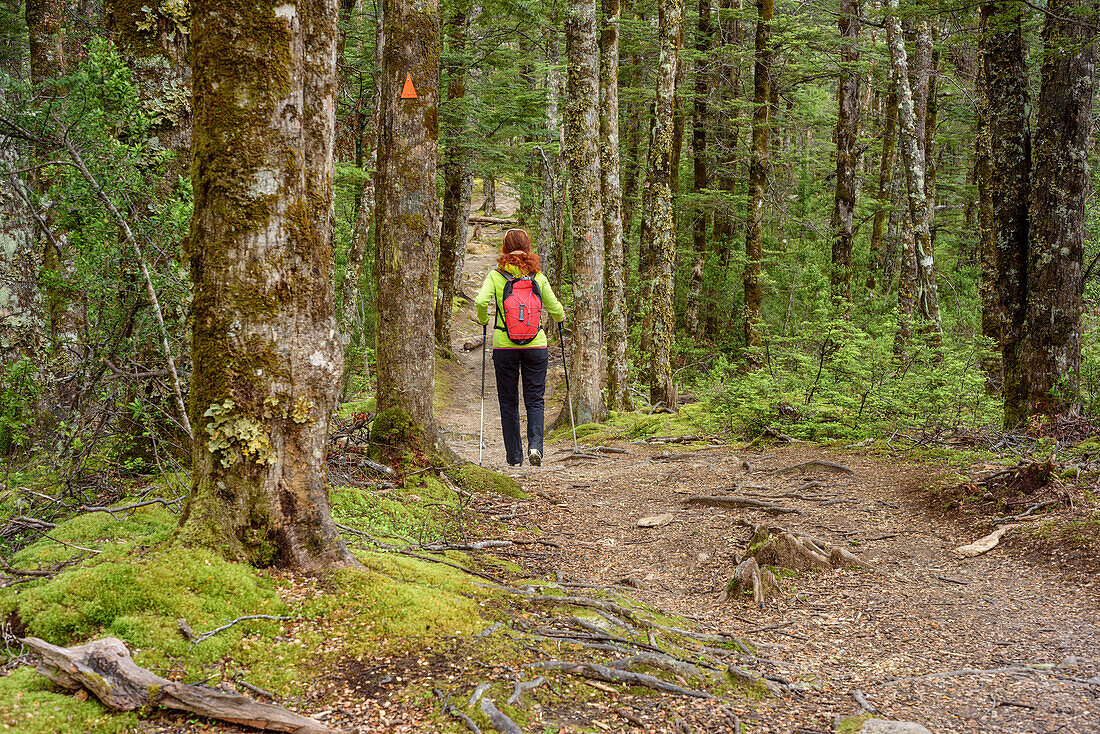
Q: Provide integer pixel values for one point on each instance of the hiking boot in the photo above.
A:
(535, 457)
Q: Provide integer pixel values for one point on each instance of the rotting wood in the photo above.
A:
(729, 501)
(104, 667)
(864, 704)
(984, 545)
(498, 719)
(615, 675)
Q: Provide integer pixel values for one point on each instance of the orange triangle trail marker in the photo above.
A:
(409, 91)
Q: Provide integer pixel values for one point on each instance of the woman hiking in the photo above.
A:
(528, 289)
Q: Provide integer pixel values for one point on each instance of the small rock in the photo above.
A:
(881, 726)
(657, 521)
(703, 557)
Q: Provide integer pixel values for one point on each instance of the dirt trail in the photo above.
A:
(911, 636)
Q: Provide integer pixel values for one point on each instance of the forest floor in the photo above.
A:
(996, 643)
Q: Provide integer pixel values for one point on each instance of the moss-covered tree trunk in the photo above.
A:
(582, 156)
(551, 152)
(1006, 170)
(917, 271)
(611, 194)
(658, 217)
(455, 164)
(154, 40)
(887, 161)
(406, 245)
(758, 179)
(847, 156)
(701, 120)
(1059, 185)
(266, 350)
(725, 141)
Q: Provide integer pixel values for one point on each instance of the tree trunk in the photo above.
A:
(553, 182)
(987, 247)
(266, 352)
(489, 188)
(847, 157)
(917, 228)
(659, 219)
(582, 127)
(700, 121)
(407, 213)
(724, 143)
(1060, 180)
(618, 370)
(455, 162)
(758, 178)
(1006, 151)
(887, 161)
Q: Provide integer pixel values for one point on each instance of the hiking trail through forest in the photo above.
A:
(995, 643)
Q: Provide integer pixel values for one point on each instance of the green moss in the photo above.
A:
(852, 724)
(396, 428)
(350, 408)
(30, 704)
(475, 478)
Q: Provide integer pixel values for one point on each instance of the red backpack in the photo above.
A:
(521, 307)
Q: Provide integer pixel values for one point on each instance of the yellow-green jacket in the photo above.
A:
(493, 290)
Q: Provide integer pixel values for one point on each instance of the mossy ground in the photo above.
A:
(628, 426)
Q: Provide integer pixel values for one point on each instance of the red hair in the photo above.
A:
(517, 251)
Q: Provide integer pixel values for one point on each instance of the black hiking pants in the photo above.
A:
(510, 365)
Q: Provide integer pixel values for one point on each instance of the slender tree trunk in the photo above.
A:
(887, 161)
(758, 178)
(618, 370)
(582, 126)
(46, 38)
(847, 157)
(489, 187)
(918, 225)
(659, 220)
(350, 295)
(700, 121)
(1006, 152)
(455, 162)
(266, 352)
(987, 245)
(553, 182)
(1059, 185)
(407, 226)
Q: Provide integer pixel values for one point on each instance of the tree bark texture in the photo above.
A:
(1006, 151)
(553, 182)
(266, 350)
(154, 40)
(659, 219)
(887, 162)
(615, 324)
(46, 38)
(1059, 185)
(987, 246)
(701, 119)
(582, 156)
(847, 156)
(910, 141)
(758, 179)
(406, 248)
(456, 160)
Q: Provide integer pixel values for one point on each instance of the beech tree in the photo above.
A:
(582, 126)
(1056, 232)
(758, 178)
(658, 217)
(611, 196)
(406, 243)
(847, 158)
(266, 351)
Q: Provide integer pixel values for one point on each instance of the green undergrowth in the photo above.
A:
(352, 407)
(630, 426)
(30, 704)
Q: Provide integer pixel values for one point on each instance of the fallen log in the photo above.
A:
(105, 668)
(479, 219)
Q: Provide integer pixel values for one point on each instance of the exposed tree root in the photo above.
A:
(105, 668)
(614, 675)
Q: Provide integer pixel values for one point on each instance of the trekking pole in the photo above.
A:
(568, 394)
(481, 436)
